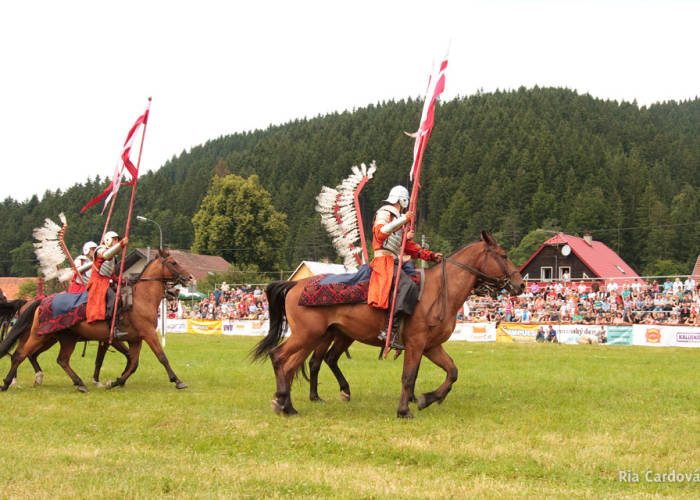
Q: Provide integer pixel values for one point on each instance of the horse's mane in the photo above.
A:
(133, 280)
(464, 247)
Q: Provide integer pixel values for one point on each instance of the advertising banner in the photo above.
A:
(516, 332)
(578, 334)
(203, 327)
(475, 332)
(662, 335)
(245, 327)
(619, 334)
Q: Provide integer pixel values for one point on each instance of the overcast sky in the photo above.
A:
(76, 74)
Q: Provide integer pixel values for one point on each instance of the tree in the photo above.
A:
(23, 260)
(237, 221)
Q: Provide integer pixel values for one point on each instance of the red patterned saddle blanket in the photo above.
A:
(60, 311)
(335, 289)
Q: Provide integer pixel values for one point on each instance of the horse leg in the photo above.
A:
(132, 357)
(286, 360)
(315, 366)
(439, 356)
(411, 362)
(341, 344)
(31, 345)
(34, 360)
(63, 360)
(99, 359)
(153, 342)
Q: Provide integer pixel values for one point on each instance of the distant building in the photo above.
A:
(565, 257)
(198, 265)
(10, 286)
(309, 268)
(696, 270)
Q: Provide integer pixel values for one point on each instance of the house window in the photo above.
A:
(620, 269)
(585, 276)
(565, 273)
(546, 273)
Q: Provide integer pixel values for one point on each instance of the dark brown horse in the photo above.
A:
(139, 323)
(447, 286)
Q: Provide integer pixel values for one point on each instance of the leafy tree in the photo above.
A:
(237, 221)
(249, 274)
(528, 246)
(23, 260)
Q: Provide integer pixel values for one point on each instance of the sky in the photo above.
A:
(76, 74)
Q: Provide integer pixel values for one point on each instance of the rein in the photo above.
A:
(177, 278)
(484, 282)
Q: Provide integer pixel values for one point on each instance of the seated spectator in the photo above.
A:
(540, 337)
(552, 335)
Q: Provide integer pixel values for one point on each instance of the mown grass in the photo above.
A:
(550, 421)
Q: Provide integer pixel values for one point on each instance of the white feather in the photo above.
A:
(49, 251)
(345, 232)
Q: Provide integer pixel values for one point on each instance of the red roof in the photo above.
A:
(10, 286)
(199, 265)
(696, 269)
(598, 257)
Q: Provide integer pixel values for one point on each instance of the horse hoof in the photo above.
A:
(345, 396)
(422, 402)
(180, 385)
(97, 383)
(276, 406)
(109, 385)
(82, 388)
(38, 379)
(13, 383)
(408, 414)
(317, 400)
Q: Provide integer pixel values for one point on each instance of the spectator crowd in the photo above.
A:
(674, 302)
(245, 302)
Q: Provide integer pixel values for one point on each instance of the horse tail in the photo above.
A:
(23, 322)
(276, 293)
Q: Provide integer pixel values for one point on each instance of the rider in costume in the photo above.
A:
(387, 233)
(101, 273)
(83, 264)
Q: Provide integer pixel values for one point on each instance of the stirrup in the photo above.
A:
(118, 334)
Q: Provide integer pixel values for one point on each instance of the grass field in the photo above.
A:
(550, 421)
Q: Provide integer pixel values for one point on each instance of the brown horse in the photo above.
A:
(33, 358)
(139, 323)
(431, 324)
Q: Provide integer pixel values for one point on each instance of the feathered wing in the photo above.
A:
(49, 252)
(339, 217)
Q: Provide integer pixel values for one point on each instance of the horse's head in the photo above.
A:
(500, 268)
(170, 271)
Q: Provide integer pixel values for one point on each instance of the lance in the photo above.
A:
(435, 88)
(128, 225)
(411, 225)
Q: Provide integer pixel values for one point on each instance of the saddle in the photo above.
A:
(63, 310)
(347, 288)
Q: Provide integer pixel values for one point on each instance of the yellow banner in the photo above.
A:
(516, 332)
(204, 327)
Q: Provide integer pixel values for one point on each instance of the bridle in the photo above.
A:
(177, 279)
(484, 284)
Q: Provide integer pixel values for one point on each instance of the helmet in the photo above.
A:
(109, 238)
(398, 194)
(88, 246)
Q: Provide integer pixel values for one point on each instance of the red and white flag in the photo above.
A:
(436, 85)
(124, 162)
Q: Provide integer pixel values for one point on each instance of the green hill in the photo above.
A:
(507, 162)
